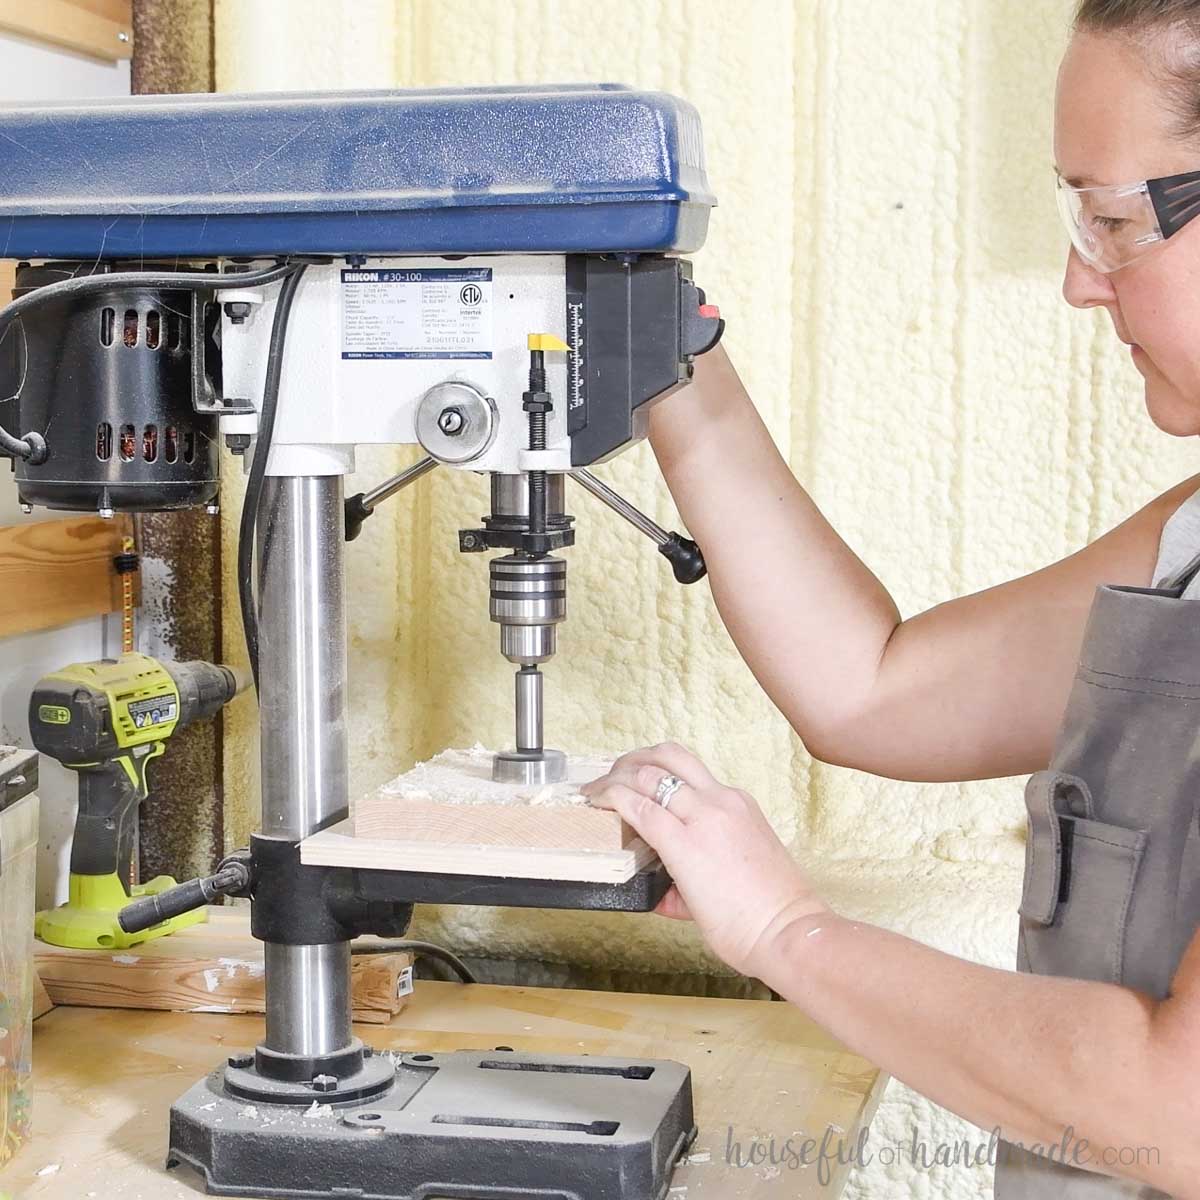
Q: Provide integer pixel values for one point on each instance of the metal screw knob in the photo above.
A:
(452, 422)
(324, 1083)
(455, 421)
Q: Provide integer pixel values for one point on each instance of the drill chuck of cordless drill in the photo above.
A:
(204, 688)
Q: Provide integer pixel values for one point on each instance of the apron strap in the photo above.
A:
(1049, 796)
(1179, 581)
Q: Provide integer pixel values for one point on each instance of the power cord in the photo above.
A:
(420, 950)
(258, 466)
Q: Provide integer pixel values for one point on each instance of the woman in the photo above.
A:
(1093, 1047)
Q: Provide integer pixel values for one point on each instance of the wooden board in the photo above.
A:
(453, 800)
(56, 572)
(338, 846)
(98, 28)
(42, 1003)
(104, 1080)
(540, 827)
(214, 967)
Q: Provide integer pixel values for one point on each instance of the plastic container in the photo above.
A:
(18, 861)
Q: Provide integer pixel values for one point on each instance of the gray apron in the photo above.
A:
(1112, 863)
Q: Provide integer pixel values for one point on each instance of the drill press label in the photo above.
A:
(426, 312)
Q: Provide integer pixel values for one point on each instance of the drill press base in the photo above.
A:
(488, 1125)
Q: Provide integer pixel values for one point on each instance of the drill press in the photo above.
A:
(493, 275)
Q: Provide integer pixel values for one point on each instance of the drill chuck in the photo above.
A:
(204, 688)
(528, 599)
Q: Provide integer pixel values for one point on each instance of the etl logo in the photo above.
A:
(471, 294)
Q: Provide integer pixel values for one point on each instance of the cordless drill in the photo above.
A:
(108, 721)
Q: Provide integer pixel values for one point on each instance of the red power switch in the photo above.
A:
(710, 312)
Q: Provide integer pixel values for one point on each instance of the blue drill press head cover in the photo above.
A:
(596, 168)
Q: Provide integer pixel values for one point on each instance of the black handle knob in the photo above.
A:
(154, 910)
(685, 557)
(356, 513)
(148, 911)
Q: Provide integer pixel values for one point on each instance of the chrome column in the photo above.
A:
(308, 998)
(302, 707)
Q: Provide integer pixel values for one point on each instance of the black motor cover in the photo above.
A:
(107, 380)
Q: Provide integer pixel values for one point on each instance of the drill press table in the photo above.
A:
(104, 1079)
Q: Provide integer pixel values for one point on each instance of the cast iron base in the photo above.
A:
(468, 1125)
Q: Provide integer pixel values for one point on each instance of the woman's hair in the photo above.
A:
(1169, 31)
(1135, 15)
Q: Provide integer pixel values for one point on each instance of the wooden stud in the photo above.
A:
(42, 1003)
(120, 12)
(56, 572)
(214, 967)
(98, 28)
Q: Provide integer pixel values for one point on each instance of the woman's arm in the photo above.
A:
(971, 689)
(1047, 1061)
(1104, 1075)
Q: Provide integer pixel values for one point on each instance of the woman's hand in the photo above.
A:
(732, 874)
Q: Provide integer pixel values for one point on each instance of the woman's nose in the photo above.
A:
(1084, 286)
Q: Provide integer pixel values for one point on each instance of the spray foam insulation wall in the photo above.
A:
(888, 257)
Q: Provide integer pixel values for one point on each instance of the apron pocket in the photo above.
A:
(1092, 867)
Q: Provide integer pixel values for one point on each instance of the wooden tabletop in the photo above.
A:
(105, 1078)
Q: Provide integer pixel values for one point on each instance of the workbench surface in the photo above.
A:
(105, 1078)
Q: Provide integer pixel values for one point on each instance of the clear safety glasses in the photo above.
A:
(1112, 226)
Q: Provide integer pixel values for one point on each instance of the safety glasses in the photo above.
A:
(1110, 227)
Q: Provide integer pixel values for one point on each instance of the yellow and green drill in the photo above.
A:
(108, 721)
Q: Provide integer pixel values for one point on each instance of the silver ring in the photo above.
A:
(668, 785)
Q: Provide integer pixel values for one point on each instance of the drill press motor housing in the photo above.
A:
(492, 275)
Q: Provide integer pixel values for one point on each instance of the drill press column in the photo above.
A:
(302, 701)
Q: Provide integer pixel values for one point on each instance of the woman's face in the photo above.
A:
(1113, 125)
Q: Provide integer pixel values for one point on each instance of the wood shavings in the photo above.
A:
(465, 777)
